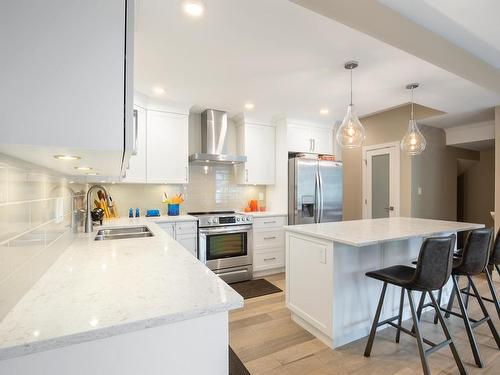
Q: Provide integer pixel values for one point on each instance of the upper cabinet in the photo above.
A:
(167, 147)
(257, 142)
(308, 138)
(67, 83)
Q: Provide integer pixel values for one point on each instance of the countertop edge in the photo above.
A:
(291, 228)
(103, 333)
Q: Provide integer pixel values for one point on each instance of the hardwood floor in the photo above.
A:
(268, 342)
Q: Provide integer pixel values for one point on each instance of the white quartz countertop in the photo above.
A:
(373, 231)
(98, 289)
(170, 219)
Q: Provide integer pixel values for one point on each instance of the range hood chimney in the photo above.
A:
(214, 140)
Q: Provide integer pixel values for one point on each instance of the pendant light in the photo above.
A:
(413, 142)
(351, 133)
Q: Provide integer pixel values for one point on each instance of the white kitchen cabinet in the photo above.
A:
(308, 138)
(66, 81)
(184, 232)
(268, 245)
(136, 171)
(257, 143)
(167, 147)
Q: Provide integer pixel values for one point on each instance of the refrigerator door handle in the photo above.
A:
(320, 198)
(316, 197)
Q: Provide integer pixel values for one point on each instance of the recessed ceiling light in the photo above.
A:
(324, 111)
(91, 174)
(67, 157)
(249, 106)
(84, 168)
(71, 182)
(158, 90)
(194, 8)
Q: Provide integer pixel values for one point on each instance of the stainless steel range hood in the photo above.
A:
(214, 140)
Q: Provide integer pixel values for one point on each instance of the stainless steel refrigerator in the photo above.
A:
(314, 191)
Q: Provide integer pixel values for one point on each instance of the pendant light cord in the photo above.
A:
(412, 103)
(351, 86)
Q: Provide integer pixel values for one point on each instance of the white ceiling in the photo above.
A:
(471, 25)
(285, 59)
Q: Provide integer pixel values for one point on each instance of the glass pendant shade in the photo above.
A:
(351, 133)
(413, 142)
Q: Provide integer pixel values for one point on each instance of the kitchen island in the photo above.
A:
(326, 287)
(123, 306)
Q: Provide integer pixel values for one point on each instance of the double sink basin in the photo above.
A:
(123, 232)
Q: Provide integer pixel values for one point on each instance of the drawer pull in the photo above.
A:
(270, 222)
(270, 238)
(268, 259)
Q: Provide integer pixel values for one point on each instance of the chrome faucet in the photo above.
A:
(89, 225)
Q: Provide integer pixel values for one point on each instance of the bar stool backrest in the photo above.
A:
(434, 263)
(476, 251)
(495, 251)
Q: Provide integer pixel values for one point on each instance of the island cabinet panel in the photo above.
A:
(309, 281)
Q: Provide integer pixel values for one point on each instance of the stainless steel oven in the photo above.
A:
(225, 244)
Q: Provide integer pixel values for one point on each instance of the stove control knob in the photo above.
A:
(215, 221)
(248, 218)
(238, 219)
(209, 221)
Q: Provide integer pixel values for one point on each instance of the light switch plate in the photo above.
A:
(261, 196)
(322, 256)
(419, 191)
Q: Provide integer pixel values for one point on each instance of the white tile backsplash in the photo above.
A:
(214, 190)
(29, 233)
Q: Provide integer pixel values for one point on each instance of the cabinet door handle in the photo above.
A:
(270, 222)
(270, 238)
(268, 259)
(246, 175)
(186, 174)
(314, 144)
(310, 144)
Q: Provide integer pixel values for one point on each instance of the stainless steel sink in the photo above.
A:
(122, 233)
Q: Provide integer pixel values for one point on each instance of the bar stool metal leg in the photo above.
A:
(373, 330)
(453, 349)
(468, 327)
(492, 291)
(400, 317)
(440, 294)
(450, 301)
(418, 336)
(485, 312)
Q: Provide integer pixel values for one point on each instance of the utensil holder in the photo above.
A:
(173, 209)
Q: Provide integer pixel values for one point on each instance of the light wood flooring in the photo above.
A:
(268, 342)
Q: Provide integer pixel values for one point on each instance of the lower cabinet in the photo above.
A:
(268, 245)
(184, 232)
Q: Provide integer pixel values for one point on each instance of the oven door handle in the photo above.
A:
(235, 229)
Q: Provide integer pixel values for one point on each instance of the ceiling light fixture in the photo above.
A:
(67, 157)
(91, 174)
(249, 106)
(413, 142)
(351, 133)
(84, 168)
(158, 90)
(324, 111)
(194, 8)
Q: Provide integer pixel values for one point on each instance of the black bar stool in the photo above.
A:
(432, 272)
(493, 263)
(473, 261)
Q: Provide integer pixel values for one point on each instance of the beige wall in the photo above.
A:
(435, 172)
(479, 189)
(497, 169)
(384, 127)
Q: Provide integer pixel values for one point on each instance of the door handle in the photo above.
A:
(390, 208)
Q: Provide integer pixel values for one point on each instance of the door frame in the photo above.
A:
(395, 177)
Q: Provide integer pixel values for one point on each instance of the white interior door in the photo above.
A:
(381, 181)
